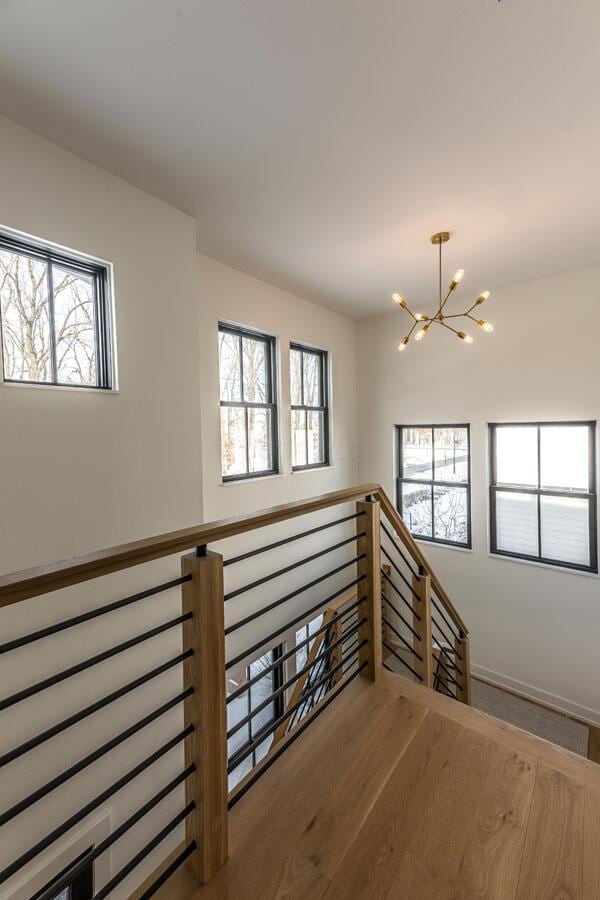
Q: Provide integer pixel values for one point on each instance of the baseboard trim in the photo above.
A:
(583, 714)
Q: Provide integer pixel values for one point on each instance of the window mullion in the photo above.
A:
(306, 433)
(539, 482)
(52, 323)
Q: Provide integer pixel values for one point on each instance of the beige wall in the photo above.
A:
(83, 470)
(533, 628)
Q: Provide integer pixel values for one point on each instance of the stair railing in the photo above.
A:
(220, 735)
(432, 641)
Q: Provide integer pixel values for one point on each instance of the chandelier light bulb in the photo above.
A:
(421, 334)
(403, 344)
(458, 277)
(482, 297)
(399, 300)
(485, 326)
(464, 337)
(420, 317)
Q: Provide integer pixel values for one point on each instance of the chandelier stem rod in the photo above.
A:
(440, 276)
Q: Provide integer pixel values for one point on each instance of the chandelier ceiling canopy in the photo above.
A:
(440, 317)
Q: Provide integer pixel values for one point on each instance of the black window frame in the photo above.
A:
(324, 407)
(278, 702)
(539, 491)
(103, 331)
(433, 482)
(270, 340)
(80, 881)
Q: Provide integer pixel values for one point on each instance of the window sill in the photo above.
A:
(83, 389)
(253, 480)
(541, 565)
(308, 469)
(439, 544)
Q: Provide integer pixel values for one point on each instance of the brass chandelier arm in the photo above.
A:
(442, 305)
(449, 327)
(459, 315)
(425, 321)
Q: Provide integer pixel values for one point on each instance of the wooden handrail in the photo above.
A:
(47, 578)
(44, 579)
(409, 542)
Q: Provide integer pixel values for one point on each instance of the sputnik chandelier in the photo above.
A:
(440, 318)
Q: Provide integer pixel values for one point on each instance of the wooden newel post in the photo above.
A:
(206, 709)
(369, 547)
(422, 626)
(461, 649)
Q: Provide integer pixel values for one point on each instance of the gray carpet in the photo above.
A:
(535, 719)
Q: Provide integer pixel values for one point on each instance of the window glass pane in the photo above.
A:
(255, 370)
(450, 514)
(259, 440)
(516, 455)
(566, 529)
(299, 437)
(416, 508)
(261, 691)
(229, 366)
(564, 452)
(296, 377)
(301, 652)
(312, 379)
(517, 523)
(75, 325)
(316, 444)
(233, 440)
(25, 324)
(417, 453)
(451, 452)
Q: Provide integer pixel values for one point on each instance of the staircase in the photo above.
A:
(326, 714)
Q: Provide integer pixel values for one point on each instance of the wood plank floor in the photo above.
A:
(397, 793)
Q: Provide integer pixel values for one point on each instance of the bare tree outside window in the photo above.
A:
(310, 407)
(248, 410)
(49, 316)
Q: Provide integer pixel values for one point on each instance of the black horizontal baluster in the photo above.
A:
(280, 659)
(89, 710)
(144, 852)
(304, 615)
(295, 565)
(164, 876)
(73, 770)
(81, 667)
(294, 537)
(301, 590)
(403, 661)
(90, 807)
(64, 880)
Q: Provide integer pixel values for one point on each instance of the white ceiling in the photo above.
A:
(319, 143)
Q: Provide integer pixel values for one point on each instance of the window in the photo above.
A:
(248, 409)
(543, 493)
(310, 407)
(76, 882)
(434, 482)
(54, 316)
(247, 702)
